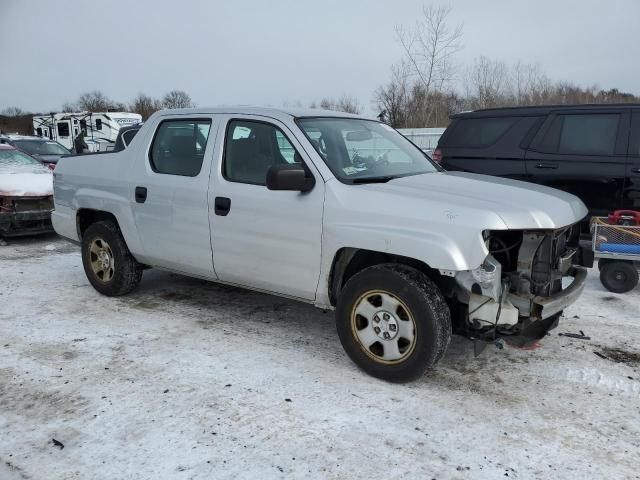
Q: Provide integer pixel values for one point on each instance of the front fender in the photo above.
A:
(439, 249)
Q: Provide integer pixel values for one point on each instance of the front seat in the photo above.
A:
(184, 158)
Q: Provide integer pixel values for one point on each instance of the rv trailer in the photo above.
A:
(101, 128)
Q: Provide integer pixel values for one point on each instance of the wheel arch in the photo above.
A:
(348, 261)
(87, 216)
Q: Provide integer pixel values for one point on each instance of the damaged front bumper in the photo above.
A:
(519, 296)
(557, 302)
(25, 216)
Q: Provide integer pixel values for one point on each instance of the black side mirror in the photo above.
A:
(293, 177)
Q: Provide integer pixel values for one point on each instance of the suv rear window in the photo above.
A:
(479, 132)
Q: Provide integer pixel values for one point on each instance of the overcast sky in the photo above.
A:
(277, 51)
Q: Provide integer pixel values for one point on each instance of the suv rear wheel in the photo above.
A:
(107, 262)
(393, 322)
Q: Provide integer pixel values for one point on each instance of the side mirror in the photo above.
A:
(292, 177)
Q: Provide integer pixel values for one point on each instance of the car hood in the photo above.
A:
(474, 199)
(25, 181)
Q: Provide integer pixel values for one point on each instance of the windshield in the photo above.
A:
(362, 151)
(16, 157)
(38, 147)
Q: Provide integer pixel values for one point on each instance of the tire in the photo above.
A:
(108, 264)
(392, 294)
(618, 276)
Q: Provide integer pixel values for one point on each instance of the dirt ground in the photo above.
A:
(185, 379)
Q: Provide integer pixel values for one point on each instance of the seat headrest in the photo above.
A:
(182, 146)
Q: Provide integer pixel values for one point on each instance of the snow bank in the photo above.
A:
(189, 379)
(26, 184)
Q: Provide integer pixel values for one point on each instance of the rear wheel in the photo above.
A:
(108, 264)
(393, 322)
(618, 276)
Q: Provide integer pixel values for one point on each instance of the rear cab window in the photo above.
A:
(128, 136)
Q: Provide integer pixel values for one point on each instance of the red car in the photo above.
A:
(26, 194)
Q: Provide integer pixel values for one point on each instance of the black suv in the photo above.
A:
(592, 151)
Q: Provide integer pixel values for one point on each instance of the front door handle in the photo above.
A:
(141, 194)
(635, 170)
(550, 166)
(222, 205)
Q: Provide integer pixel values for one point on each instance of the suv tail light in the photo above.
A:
(437, 156)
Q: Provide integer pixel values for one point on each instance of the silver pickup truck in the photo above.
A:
(331, 209)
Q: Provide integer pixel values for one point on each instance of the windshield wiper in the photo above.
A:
(381, 179)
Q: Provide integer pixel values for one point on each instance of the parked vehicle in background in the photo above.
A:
(125, 135)
(45, 150)
(616, 245)
(592, 151)
(424, 138)
(26, 194)
(101, 127)
(331, 209)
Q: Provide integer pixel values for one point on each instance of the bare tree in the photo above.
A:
(429, 49)
(68, 107)
(94, 101)
(13, 112)
(392, 99)
(487, 83)
(177, 99)
(349, 104)
(531, 86)
(292, 104)
(346, 103)
(145, 105)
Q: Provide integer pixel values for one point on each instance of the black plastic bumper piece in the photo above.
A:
(34, 222)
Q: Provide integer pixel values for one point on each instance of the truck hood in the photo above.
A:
(520, 205)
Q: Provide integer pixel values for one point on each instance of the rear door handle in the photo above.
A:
(141, 194)
(635, 170)
(550, 166)
(222, 205)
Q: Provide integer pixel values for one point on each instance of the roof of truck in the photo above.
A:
(541, 110)
(261, 111)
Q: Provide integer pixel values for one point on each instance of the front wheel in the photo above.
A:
(107, 262)
(393, 322)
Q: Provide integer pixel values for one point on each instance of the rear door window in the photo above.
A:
(592, 134)
(634, 144)
(480, 132)
(178, 147)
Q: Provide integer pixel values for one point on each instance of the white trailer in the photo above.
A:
(101, 128)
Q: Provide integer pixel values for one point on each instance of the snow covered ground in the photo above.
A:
(185, 379)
